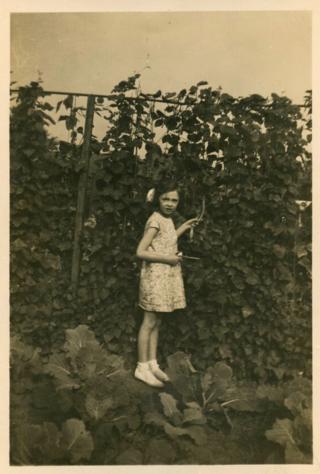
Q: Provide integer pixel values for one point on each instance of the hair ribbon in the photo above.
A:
(150, 195)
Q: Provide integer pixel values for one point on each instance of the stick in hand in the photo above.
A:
(180, 254)
(200, 217)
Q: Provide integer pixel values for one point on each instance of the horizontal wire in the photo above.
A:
(137, 99)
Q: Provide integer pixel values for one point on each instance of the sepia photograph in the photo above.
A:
(161, 238)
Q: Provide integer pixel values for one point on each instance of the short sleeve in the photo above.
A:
(152, 222)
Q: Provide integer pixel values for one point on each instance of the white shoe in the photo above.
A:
(146, 376)
(158, 373)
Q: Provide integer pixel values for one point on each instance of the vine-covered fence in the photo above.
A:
(78, 210)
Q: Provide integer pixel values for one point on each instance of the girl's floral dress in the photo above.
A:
(161, 285)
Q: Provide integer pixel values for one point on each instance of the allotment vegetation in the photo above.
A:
(247, 328)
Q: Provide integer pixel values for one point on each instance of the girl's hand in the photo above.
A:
(187, 225)
(191, 223)
(173, 260)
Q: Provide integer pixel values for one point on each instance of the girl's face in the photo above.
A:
(168, 202)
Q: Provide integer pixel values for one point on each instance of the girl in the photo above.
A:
(161, 284)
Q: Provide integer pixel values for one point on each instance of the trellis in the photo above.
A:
(253, 277)
(86, 155)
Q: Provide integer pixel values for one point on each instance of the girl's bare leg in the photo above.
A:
(155, 369)
(153, 342)
(148, 325)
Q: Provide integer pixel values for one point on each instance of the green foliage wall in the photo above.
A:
(43, 200)
(249, 297)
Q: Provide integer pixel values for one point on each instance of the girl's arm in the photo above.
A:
(186, 226)
(144, 254)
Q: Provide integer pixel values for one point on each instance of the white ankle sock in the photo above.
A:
(143, 365)
(153, 363)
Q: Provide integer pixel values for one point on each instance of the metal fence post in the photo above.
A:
(82, 188)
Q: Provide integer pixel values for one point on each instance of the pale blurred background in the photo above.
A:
(243, 52)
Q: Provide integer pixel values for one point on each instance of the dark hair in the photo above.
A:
(162, 188)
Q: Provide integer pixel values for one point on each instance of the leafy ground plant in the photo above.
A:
(82, 405)
(194, 406)
(191, 412)
(92, 395)
(294, 432)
